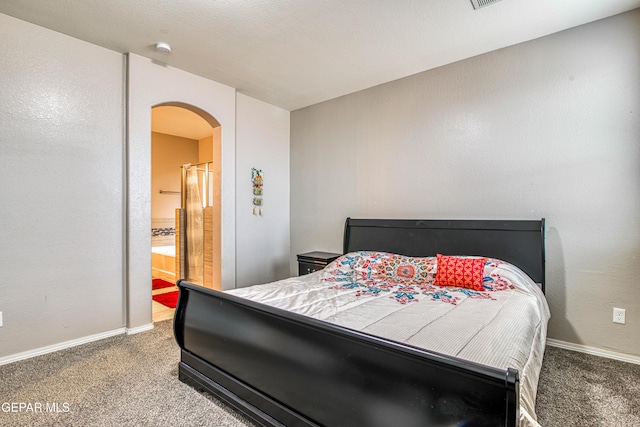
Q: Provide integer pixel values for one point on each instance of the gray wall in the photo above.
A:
(262, 142)
(548, 128)
(61, 184)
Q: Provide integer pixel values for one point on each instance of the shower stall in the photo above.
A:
(196, 225)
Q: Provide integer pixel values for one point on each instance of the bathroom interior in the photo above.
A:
(185, 203)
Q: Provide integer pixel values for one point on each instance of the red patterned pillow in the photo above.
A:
(461, 272)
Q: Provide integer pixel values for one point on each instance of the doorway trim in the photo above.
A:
(151, 84)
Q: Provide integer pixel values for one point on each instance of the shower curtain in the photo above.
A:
(195, 229)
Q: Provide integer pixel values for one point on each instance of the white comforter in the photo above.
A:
(504, 326)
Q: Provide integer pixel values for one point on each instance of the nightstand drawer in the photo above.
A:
(314, 261)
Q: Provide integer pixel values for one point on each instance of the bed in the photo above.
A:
(310, 367)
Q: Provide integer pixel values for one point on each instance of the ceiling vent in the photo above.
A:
(477, 4)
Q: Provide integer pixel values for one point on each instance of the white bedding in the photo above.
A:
(503, 326)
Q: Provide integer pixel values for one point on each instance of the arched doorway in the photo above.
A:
(150, 84)
(182, 134)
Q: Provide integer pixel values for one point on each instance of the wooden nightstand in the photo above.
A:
(314, 261)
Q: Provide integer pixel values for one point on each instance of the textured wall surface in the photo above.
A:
(262, 143)
(61, 182)
(71, 269)
(547, 128)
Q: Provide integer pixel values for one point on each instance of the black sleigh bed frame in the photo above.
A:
(281, 368)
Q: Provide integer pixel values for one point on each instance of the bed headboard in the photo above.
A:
(520, 243)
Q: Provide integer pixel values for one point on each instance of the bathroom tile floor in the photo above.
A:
(161, 312)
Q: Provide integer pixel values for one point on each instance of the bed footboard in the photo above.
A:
(281, 368)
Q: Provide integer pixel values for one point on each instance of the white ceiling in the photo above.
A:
(295, 53)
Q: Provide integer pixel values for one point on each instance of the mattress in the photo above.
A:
(502, 325)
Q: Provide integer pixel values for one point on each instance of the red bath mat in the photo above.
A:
(159, 284)
(170, 299)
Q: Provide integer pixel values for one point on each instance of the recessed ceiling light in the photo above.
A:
(163, 47)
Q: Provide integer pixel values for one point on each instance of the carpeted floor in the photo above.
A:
(579, 390)
(132, 381)
(120, 381)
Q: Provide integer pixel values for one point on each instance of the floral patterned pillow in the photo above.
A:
(389, 269)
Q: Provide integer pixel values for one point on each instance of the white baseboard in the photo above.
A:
(61, 346)
(594, 351)
(138, 329)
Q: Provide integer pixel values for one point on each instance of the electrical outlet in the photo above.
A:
(619, 315)
(1, 319)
